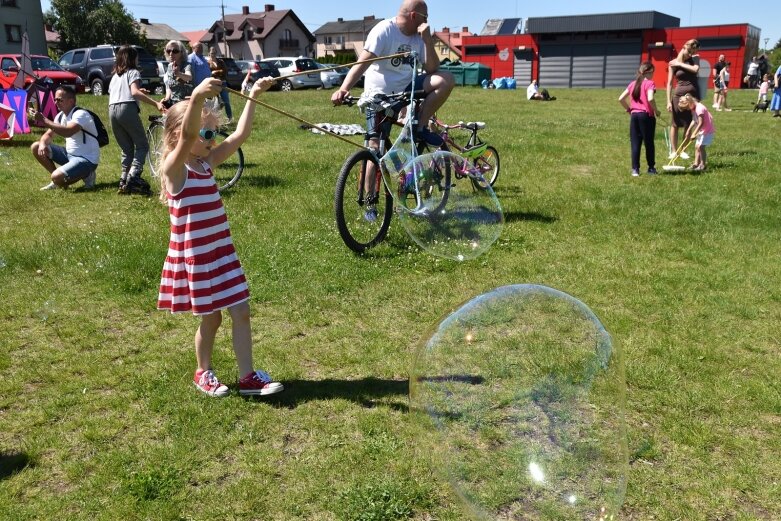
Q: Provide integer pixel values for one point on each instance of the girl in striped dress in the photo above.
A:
(202, 273)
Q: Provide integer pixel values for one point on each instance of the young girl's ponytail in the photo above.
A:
(644, 69)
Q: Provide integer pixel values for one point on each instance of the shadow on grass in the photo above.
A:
(529, 216)
(365, 391)
(13, 463)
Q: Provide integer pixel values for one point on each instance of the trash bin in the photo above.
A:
(475, 73)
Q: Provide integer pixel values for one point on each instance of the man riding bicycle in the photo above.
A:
(407, 31)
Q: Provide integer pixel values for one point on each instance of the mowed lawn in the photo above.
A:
(99, 418)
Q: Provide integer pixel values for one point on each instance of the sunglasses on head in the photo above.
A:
(207, 134)
(172, 51)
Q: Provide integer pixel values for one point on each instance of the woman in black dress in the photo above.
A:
(684, 69)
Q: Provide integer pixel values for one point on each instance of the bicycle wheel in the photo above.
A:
(433, 184)
(155, 136)
(362, 206)
(488, 165)
(228, 173)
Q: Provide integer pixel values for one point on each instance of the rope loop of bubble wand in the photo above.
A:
(300, 120)
(369, 60)
(292, 116)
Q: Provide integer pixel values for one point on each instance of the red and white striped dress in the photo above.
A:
(202, 273)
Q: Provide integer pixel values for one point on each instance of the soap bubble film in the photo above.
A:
(443, 202)
(527, 394)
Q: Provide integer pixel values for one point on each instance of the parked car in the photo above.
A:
(259, 70)
(332, 78)
(43, 67)
(289, 65)
(95, 64)
(233, 73)
(162, 66)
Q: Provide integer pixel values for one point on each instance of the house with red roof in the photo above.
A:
(448, 44)
(258, 35)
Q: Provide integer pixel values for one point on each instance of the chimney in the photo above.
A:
(368, 18)
(446, 29)
(340, 19)
(144, 21)
(245, 10)
(465, 29)
(268, 8)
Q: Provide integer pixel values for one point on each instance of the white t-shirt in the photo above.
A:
(531, 90)
(119, 88)
(389, 76)
(81, 144)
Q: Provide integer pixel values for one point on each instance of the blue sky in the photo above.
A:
(199, 14)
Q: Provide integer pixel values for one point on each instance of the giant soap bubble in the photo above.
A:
(527, 394)
(442, 201)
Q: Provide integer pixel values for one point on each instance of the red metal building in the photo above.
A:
(605, 50)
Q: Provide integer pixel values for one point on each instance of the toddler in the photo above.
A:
(701, 129)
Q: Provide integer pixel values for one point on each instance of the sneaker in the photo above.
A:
(684, 155)
(727, 110)
(258, 383)
(715, 106)
(206, 382)
(424, 134)
(635, 172)
(371, 214)
(50, 186)
(652, 171)
(89, 181)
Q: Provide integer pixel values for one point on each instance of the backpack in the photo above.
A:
(102, 134)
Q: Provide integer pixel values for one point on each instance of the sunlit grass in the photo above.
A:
(99, 419)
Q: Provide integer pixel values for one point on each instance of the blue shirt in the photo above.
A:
(200, 68)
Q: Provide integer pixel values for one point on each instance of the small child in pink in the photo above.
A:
(701, 128)
(764, 88)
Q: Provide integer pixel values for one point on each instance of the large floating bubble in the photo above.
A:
(528, 396)
(444, 203)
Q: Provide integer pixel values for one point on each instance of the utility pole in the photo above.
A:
(224, 31)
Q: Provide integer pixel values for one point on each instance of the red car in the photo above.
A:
(44, 67)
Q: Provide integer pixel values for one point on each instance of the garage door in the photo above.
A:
(522, 66)
(602, 64)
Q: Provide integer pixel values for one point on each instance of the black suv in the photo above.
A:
(94, 66)
(233, 74)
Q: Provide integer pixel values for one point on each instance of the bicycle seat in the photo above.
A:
(472, 125)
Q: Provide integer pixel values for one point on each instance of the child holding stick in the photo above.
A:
(202, 273)
(701, 129)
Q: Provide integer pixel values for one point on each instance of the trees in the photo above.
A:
(84, 23)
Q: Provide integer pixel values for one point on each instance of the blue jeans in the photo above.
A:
(74, 167)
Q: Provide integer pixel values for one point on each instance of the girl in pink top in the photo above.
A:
(638, 100)
(764, 88)
(701, 129)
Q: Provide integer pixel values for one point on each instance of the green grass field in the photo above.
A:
(99, 419)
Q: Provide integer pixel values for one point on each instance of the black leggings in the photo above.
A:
(641, 132)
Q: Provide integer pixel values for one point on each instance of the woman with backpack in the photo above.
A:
(123, 109)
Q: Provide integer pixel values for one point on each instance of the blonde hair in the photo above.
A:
(172, 130)
(687, 101)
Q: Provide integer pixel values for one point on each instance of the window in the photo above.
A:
(101, 53)
(13, 33)
(8, 3)
(7, 63)
(78, 57)
(287, 34)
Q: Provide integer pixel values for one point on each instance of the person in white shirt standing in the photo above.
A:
(123, 110)
(81, 154)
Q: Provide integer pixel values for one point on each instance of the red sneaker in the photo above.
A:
(206, 382)
(258, 383)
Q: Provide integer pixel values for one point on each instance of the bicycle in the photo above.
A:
(482, 156)
(226, 174)
(362, 214)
